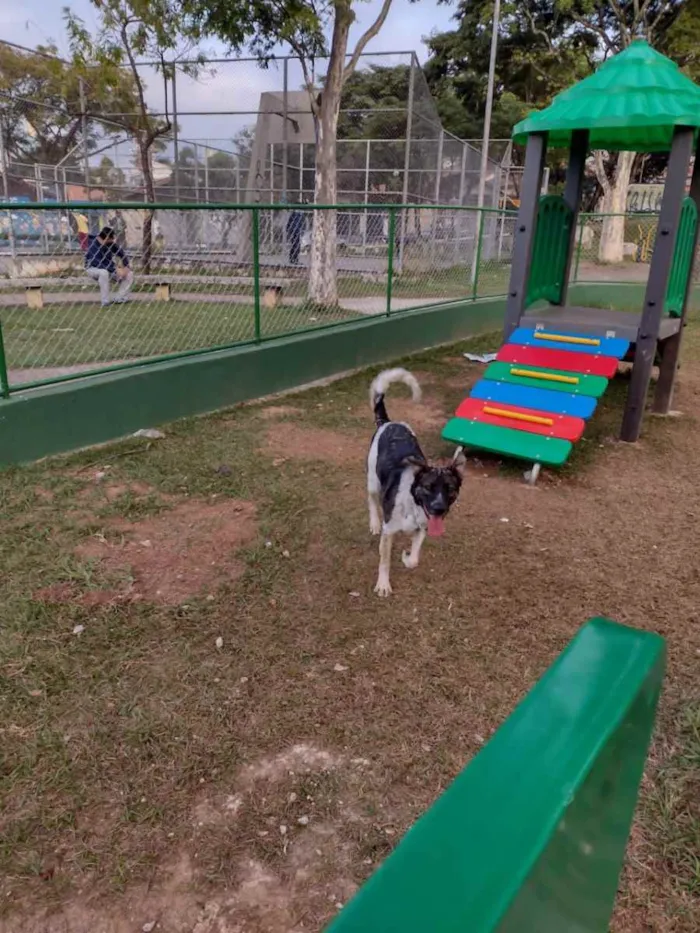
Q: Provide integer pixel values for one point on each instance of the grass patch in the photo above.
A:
(137, 748)
(671, 812)
(68, 334)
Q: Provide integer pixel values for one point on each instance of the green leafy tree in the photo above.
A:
(53, 111)
(544, 47)
(302, 26)
(108, 176)
(537, 56)
(614, 25)
(131, 31)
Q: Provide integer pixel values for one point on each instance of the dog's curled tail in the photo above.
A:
(388, 377)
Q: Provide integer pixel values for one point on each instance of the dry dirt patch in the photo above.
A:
(428, 414)
(181, 552)
(290, 440)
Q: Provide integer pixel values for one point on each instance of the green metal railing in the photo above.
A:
(224, 275)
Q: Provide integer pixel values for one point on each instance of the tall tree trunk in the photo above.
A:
(150, 192)
(323, 281)
(614, 201)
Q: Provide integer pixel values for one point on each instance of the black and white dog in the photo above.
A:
(406, 493)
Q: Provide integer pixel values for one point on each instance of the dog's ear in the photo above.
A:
(459, 463)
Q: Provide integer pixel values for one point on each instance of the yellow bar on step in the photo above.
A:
(550, 377)
(565, 338)
(517, 415)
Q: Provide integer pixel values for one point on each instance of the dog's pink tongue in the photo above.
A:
(436, 526)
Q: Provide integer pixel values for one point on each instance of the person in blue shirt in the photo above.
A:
(100, 253)
(296, 222)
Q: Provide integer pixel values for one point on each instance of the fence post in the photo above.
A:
(390, 264)
(477, 255)
(578, 250)
(256, 271)
(4, 379)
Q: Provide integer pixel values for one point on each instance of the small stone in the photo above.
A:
(149, 927)
(100, 475)
(479, 739)
(219, 642)
(354, 594)
(268, 544)
(303, 821)
(286, 554)
(505, 519)
(78, 629)
(211, 598)
(150, 433)
(146, 543)
(339, 668)
(292, 797)
(283, 830)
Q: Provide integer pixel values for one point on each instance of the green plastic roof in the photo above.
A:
(632, 102)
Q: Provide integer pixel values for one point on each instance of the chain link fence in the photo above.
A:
(230, 132)
(638, 236)
(216, 276)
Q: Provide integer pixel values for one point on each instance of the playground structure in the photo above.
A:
(557, 359)
(531, 836)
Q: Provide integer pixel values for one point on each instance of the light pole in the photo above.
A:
(487, 126)
(489, 105)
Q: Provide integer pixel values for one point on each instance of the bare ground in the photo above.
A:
(239, 752)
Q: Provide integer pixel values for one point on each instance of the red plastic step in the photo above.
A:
(566, 427)
(558, 359)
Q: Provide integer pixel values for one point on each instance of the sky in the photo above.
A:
(230, 87)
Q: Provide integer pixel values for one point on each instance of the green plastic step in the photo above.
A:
(512, 443)
(593, 386)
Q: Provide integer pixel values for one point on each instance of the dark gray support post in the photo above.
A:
(659, 270)
(671, 347)
(525, 231)
(572, 195)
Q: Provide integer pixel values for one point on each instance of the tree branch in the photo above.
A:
(300, 53)
(536, 30)
(596, 29)
(364, 39)
(651, 27)
(620, 16)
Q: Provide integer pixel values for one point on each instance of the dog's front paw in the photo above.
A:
(383, 588)
(409, 562)
(375, 527)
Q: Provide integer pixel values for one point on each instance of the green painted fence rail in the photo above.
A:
(424, 256)
(531, 836)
